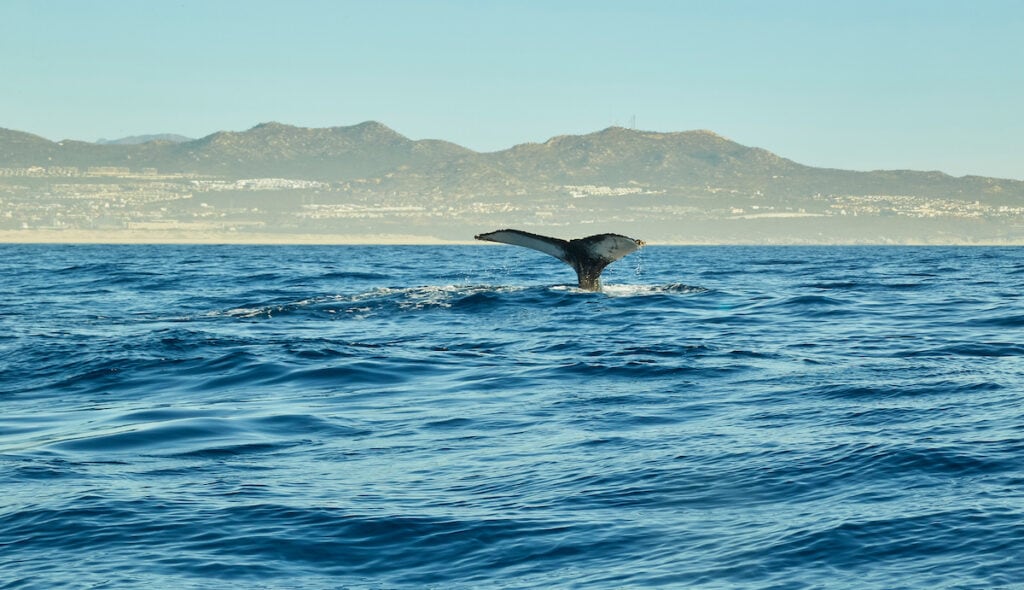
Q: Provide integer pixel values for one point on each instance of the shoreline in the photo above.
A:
(142, 237)
(186, 237)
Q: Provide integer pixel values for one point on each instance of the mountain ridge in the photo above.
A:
(140, 139)
(374, 133)
(682, 163)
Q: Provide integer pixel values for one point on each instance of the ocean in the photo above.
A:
(464, 417)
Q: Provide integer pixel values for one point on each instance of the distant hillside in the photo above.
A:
(617, 155)
(18, 148)
(139, 139)
(366, 150)
(686, 164)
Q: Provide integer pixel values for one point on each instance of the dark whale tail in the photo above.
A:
(588, 256)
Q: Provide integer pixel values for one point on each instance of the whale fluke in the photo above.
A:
(588, 256)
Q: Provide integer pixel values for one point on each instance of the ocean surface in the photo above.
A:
(464, 417)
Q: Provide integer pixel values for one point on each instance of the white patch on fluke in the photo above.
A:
(551, 246)
(613, 247)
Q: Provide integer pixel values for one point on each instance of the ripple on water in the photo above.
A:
(423, 417)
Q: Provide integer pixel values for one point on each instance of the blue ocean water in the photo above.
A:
(462, 417)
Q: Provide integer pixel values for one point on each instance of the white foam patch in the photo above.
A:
(644, 290)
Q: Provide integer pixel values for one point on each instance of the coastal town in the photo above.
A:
(118, 198)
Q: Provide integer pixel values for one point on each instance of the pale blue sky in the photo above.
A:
(860, 84)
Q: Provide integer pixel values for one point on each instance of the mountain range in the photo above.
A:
(614, 156)
(627, 173)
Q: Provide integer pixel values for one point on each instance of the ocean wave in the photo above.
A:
(423, 417)
(426, 298)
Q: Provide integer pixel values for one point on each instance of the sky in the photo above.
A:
(859, 84)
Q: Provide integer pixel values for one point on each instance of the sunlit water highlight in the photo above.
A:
(439, 417)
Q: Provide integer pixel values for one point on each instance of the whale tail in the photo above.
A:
(588, 256)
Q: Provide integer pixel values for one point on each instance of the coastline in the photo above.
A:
(75, 236)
